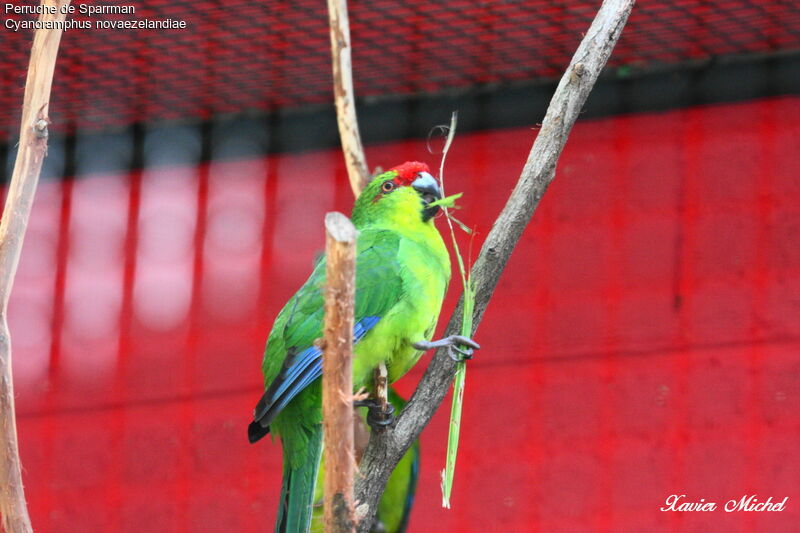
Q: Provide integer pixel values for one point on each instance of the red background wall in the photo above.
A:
(644, 340)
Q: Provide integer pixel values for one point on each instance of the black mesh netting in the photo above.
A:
(255, 56)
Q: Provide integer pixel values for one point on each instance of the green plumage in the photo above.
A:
(402, 271)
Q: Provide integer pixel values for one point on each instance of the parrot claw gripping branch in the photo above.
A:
(452, 344)
(378, 416)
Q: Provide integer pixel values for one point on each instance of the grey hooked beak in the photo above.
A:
(428, 189)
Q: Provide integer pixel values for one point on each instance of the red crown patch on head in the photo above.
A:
(407, 172)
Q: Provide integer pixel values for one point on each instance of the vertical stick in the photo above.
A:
(337, 374)
(344, 96)
(28, 165)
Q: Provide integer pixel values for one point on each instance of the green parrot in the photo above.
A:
(394, 508)
(402, 272)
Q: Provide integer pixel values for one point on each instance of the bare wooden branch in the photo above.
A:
(337, 374)
(344, 96)
(27, 167)
(386, 448)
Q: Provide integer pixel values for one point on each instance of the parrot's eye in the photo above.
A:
(388, 186)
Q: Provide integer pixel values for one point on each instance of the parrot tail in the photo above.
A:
(297, 491)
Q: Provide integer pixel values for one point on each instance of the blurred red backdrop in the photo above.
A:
(643, 341)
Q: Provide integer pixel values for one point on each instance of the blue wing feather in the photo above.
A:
(300, 371)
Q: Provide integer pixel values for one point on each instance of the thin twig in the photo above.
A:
(448, 474)
(380, 381)
(27, 167)
(386, 448)
(337, 374)
(344, 96)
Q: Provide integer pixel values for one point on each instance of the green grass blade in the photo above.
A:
(459, 380)
(458, 401)
(447, 201)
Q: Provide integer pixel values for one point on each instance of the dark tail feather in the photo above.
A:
(297, 492)
(412, 487)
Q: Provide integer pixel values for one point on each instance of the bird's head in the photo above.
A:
(401, 195)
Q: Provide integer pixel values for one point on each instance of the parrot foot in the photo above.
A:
(377, 417)
(452, 342)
